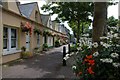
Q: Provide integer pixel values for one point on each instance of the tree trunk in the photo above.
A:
(78, 31)
(105, 27)
(82, 28)
(100, 9)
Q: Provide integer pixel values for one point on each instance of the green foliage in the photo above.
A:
(73, 48)
(57, 43)
(99, 60)
(84, 27)
(23, 48)
(77, 12)
(45, 46)
(26, 54)
(36, 30)
(46, 32)
(112, 22)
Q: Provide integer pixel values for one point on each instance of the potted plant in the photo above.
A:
(45, 47)
(25, 54)
(57, 43)
(36, 30)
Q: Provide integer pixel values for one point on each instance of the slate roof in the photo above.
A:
(26, 9)
(45, 19)
(0, 2)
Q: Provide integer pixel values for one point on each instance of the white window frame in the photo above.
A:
(10, 50)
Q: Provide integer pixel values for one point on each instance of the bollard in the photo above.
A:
(69, 48)
(64, 54)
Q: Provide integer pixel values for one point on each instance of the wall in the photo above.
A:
(13, 6)
(15, 21)
(10, 57)
(10, 19)
(32, 16)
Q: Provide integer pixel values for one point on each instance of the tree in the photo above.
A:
(112, 22)
(100, 19)
(75, 12)
(99, 22)
(84, 27)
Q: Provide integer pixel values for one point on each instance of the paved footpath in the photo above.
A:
(45, 65)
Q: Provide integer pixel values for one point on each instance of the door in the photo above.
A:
(27, 42)
(38, 40)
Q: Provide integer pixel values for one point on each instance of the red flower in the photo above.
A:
(85, 60)
(90, 71)
(91, 62)
(89, 57)
(79, 73)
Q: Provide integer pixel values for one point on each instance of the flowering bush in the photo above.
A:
(99, 60)
(26, 27)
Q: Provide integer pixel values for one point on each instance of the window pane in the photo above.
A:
(5, 31)
(13, 33)
(5, 36)
(13, 38)
(4, 43)
(13, 43)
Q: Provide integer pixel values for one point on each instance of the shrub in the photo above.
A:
(99, 60)
(45, 46)
(26, 54)
(57, 43)
(23, 48)
(73, 48)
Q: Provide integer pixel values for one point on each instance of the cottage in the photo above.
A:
(22, 26)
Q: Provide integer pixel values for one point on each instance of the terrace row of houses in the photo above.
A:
(22, 25)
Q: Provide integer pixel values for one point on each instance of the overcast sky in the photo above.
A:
(112, 10)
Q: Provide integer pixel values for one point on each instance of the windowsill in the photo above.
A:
(11, 52)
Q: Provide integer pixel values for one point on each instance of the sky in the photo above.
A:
(112, 10)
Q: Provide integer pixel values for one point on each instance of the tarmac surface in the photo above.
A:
(44, 65)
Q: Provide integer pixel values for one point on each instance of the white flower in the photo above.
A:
(116, 64)
(95, 44)
(111, 32)
(72, 54)
(74, 67)
(67, 55)
(106, 45)
(77, 52)
(79, 48)
(111, 36)
(103, 60)
(95, 54)
(104, 37)
(89, 47)
(114, 55)
(101, 43)
(115, 35)
(108, 60)
(117, 45)
(65, 58)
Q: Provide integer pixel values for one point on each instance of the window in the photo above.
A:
(13, 38)
(9, 39)
(5, 38)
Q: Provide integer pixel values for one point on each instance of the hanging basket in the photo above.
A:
(26, 27)
(37, 31)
